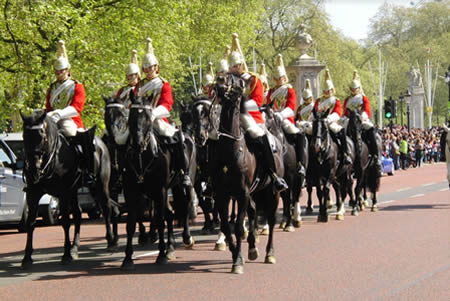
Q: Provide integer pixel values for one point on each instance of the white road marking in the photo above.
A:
(417, 195)
(387, 202)
(444, 189)
(146, 254)
(403, 189)
(429, 184)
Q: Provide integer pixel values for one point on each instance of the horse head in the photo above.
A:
(140, 124)
(116, 119)
(354, 127)
(320, 137)
(200, 111)
(272, 121)
(230, 93)
(39, 139)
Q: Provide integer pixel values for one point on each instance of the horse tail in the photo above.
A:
(373, 179)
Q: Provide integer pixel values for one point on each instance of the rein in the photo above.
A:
(45, 172)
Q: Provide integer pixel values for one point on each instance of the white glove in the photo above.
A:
(287, 112)
(278, 115)
(251, 106)
(55, 115)
(332, 118)
(160, 112)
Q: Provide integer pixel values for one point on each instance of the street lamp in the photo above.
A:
(407, 98)
(447, 80)
(400, 99)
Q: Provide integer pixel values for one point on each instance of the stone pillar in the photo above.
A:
(417, 107)
(304, 67)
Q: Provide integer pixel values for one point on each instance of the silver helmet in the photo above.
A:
(62, 60)
(149, 58)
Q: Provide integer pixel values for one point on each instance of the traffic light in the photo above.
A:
(388, 108)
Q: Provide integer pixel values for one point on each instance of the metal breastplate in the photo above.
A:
(61, 94)
(280, 96)
(305, 111)
(355, 102)
(125, 96)
(151, 88)
(326, 103)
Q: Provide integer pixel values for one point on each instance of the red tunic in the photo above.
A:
(257, 94)
(365, 107)
(291, 102)
(77, 102)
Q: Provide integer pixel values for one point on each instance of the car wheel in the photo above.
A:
(51, 212)
(22, 227)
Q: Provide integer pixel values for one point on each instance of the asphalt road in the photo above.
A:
(401, 252)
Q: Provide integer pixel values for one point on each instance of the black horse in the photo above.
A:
(200, 111)
(148, 171)
(322, 166)
(236, 174)
(52, 166)
(365, 166)
(290, 196)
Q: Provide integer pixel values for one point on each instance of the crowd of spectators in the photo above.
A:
(411, 148)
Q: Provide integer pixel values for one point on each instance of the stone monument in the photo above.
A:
(305, 67)
(416, 103)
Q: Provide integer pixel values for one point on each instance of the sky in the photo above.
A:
(352, 16)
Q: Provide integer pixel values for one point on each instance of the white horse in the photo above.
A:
(447, 153)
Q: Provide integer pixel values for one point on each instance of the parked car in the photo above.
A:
(48, 205)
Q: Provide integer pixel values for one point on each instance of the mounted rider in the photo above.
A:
(133, 78)
(252, 121)
(160, 91)
(329, 102)
(284, 101)
(358, 101)
(64, 103)
(304, 116)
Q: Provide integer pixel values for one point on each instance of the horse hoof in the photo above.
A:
(264, 232)
(245, 235)
(162, 260)
(322, 219)
(289, 229)
(26, 264)
(220, 247)
(171, 255)
(297, 224)
(270, 259)
(374, 208)
(366, 203)
(282, 225)
(65, 260)
(112, 247)
(309, 210)
(329, 204)
(340, 217)
(253, 254)
(190, 244)
(355, 212)
(127, 265)
(237, 269)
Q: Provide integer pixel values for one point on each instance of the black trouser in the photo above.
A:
(266, 149)
(86, 141)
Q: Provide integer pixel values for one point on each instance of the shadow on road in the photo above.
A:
(414, 207)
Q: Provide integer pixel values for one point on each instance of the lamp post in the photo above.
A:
(400, 99)
(447, 80)
(407, 98)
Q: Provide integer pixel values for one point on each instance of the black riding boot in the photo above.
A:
(299, 145)
(86, 141)
(373, 150)
(343, 141)
(269, 161)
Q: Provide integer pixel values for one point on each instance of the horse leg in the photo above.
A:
(131, 200)
(169, 217)
(339, 188)
(252, 222)
(374, 202)
(33, 205)
(309, 208)
(143, 237)
(271, 211)
(321, 193)
(65, 221)
(222, 202)
(287, 210)
(238, 260)
(77, 223)
(160, 206)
